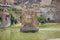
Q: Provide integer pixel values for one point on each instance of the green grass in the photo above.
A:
(15, 34)
(50, 25)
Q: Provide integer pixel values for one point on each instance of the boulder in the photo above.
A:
(29, 27)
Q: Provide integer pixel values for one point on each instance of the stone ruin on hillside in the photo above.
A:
(4, 19)
(4, 16)
(29, 21)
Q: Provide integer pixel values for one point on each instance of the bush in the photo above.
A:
(42, 19)
(1, 9)
(14, 10)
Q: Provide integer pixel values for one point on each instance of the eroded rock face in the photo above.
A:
(29, 27)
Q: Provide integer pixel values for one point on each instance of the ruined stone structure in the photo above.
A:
(51, 11)
(29, 21)
(4, 15)
(4, 19)
(29, 16)
(56, 4)
(45, 2)
(47, 8)
(32, 8)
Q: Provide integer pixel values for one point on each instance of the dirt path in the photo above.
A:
(54, 39)
(58, 29)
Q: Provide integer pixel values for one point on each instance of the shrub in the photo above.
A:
(42, 19)
(14, 10)
(1, 9)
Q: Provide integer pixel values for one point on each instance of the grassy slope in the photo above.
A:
(15, 34)
(50, 25)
